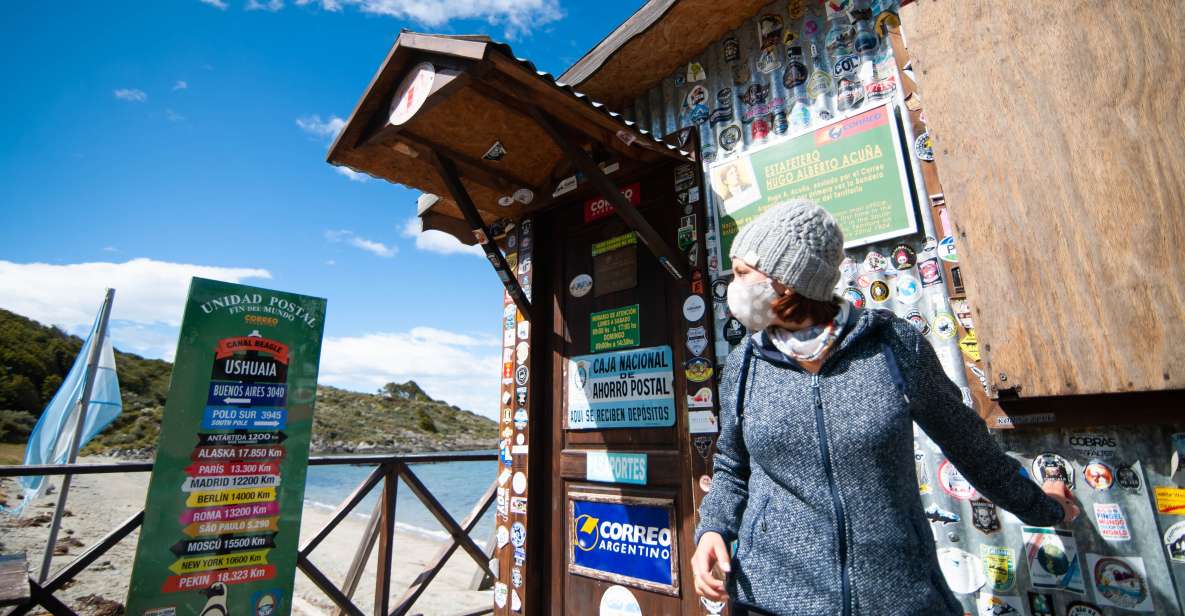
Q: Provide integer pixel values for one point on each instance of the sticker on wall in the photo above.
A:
(1170, 500)
(1082, 608)
(1127, 478)
(730, 137)
(1097, 445)
(731, 49)
(953, 482)
(503, 535)
(999, 605)
(1120, 581)
(580, 285)
(695, 72)
(1040, 604)
(501, 591)
(505, 201)
(984, 516)
(523, 330)
(999, 564)
(624, 389)
(1098, 475)
(903, 257)
(702, 399)
(519, 483)
(496, 152)
(524, 195)
(1052, 556)
(702, 422)
(854, 297)
(697, 340)
(695, 108)
(947, 251)
(923, 147)
(619, 601)
(698, 369)
(969, 344)
(1051, 466)
(918, 322)
(878, 291)
(1111, 522)
(521, 351)
(931, 272)
(908, 289)
(734, 331)
(934, 513)
(944, 325)
(518, 505)
(1174, 542)
(522, 374)
(518, 534)
(693, 308)
(963, 571)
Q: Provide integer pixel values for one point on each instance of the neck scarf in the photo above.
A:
(811, 343)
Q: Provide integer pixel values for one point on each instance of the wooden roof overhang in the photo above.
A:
(489, 127)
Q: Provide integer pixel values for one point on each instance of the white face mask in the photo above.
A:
(752, 304)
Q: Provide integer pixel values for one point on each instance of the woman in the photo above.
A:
(814, 474)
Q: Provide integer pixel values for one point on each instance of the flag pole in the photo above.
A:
(92, 369)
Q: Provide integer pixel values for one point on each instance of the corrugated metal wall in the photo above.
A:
(755, 88)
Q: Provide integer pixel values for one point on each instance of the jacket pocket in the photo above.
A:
(752, 518)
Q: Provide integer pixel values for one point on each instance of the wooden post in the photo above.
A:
(382, 582)
(669, 259)
(362, 554)
(448, 173)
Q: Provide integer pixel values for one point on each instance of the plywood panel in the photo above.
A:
(1059, 126)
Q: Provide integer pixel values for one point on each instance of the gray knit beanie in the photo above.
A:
(796, 243)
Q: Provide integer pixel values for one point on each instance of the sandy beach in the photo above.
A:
(98, 503)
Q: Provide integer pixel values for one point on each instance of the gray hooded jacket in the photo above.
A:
(818, 485)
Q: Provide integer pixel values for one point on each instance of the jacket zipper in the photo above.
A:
(840, 518)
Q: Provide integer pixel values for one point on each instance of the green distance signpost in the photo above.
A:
(222, 518)
(853, 168)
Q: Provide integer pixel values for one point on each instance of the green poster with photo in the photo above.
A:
(854, 168)
(222, 517)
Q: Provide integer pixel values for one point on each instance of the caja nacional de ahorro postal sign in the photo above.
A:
(222, 518)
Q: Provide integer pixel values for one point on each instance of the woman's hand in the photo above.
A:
(711, 552)
(1060, 492)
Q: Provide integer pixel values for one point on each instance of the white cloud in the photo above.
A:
(517, 17)
(327, 129)
(354, 176)
(146, 291)
(181, 85)
(173, 116)
(218, 4)
(349, 237)
(110, 249)
(270, 5)
(131, 95)
(437, 241)
(458, 368)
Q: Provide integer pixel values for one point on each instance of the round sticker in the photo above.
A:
(521, 374)
(953, 483)
(1119, 583)
(519, 439)
(944, 325)
(693, 308)
(878, 291)
(908, 289)
(903, 257)
(520, 418)
(946, 250)
(1098, 475)
(1050, 466)
(875, 262)
(516, 577)
(524, 195)
(924, 147)
(734, 331)
(720, 290)
(412, 93)
(505, 201)
(705, 485)
(1174, 542)
(501, 591)
(1127, 478)
(1082, 608)
(930, 248)
(519, 483)
(963, 571)
(619, 601)
(730, 137)
(698, 370)
(854, 297)
(918, 322)
(518, 534)
(521, 351)
(580, 286)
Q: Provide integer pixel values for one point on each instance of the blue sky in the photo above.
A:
(152, 141)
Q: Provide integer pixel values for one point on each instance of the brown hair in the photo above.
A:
(795, 308)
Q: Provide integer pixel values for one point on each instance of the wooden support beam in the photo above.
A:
(326, 585)
(448, 173)
(382, 582)
(671, 260)
(342, 511)
(361, 555)
(459, 535)
(420, 584)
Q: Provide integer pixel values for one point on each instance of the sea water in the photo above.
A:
(457, 485)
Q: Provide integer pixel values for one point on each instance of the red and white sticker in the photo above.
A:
(953, 482)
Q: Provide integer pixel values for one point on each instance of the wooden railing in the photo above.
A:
(389, 470)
